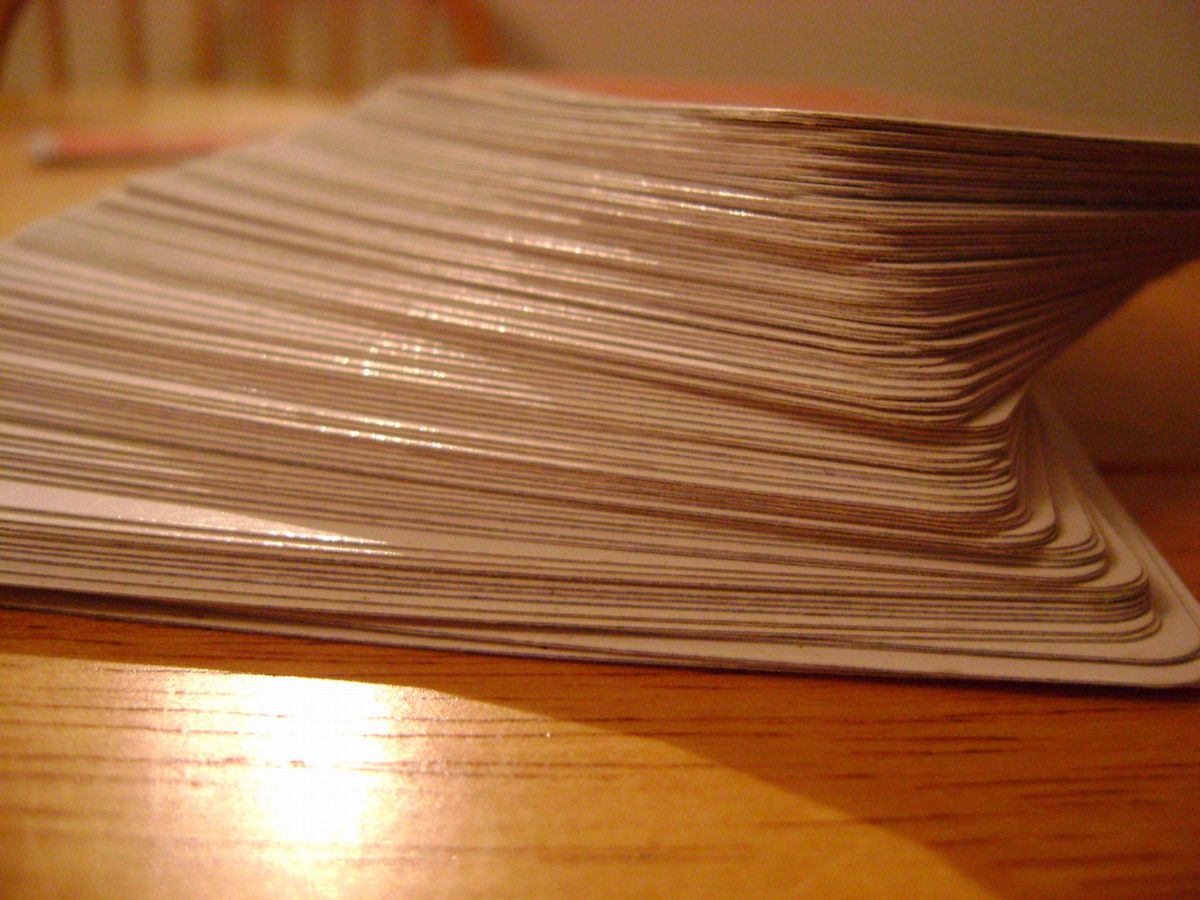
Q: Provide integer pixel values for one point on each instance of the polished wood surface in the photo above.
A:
(144, 760)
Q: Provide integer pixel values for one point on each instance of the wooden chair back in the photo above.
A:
(461, 27)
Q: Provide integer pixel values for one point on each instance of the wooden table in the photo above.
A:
(167, 762)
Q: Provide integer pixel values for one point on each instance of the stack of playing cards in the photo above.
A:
(486, 364)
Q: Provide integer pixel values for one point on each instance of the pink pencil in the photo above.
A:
(70, 146)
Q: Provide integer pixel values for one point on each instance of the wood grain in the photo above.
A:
(154, 761)
(138, 760)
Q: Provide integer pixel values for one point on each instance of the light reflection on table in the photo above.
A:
(316, 747)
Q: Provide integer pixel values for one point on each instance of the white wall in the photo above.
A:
(1120, 61)
(1127, 62)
